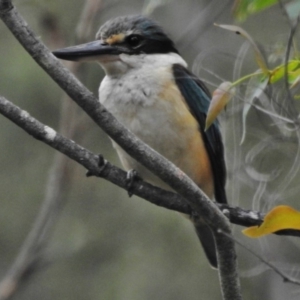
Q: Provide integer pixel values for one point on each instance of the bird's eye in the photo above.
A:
(134, 40)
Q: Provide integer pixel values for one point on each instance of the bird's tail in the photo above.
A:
(207, 240)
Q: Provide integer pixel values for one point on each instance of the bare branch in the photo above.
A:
(31, 254)
(109, 172)
(89, 160)
(117, 176)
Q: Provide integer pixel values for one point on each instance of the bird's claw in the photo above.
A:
(131, 177)
(101, 166)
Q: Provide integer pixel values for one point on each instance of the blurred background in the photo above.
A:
(103, 244)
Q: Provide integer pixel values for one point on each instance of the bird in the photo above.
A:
(149, 89)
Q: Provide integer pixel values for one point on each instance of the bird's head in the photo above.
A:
(129, 35)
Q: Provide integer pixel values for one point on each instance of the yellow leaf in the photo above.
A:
(280, 217)
(221, 96)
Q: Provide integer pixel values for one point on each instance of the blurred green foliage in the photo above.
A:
(245, 8)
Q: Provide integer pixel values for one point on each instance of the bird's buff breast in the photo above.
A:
(150, 105)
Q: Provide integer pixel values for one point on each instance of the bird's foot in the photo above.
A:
(131, 177)
(101, 166)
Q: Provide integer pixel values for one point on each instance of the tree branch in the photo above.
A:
(285, 277)
(89, 160)
(31, 253)
(117, 176)
(164, 169)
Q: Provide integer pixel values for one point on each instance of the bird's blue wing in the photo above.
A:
(198, 98)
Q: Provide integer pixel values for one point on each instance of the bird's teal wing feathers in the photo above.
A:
(198, 98)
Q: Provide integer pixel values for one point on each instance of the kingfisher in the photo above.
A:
(150, 90)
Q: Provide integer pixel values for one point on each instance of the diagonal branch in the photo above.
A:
(89, 160)
(31, 253)
(117, 176)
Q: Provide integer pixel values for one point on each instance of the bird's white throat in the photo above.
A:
(118, 65)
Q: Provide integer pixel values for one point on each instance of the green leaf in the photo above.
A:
(244, 8)
(293, 71)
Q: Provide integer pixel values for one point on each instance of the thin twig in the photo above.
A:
(266, 262)
(281, 5)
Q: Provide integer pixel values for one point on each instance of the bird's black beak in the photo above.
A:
(88, 51)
